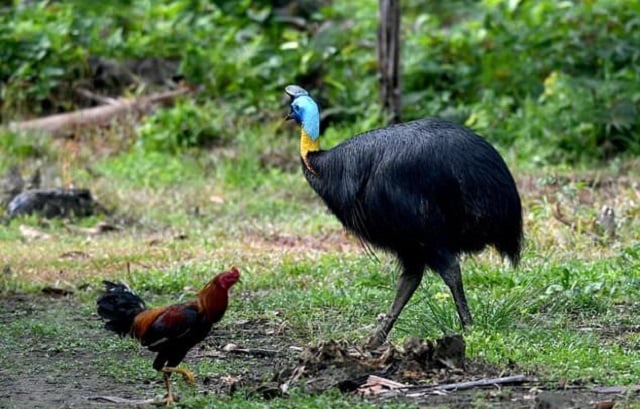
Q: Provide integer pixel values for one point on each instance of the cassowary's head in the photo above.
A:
(304, 110)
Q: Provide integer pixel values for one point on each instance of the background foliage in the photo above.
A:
(552, 82)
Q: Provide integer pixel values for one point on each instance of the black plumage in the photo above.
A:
(118, 306)
(427, 191)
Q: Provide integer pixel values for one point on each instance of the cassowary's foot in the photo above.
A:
(407, 284)
(453, 278)
(376, 339)
(467, 322)
(187, 375)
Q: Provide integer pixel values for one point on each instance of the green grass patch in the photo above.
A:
(567, 312)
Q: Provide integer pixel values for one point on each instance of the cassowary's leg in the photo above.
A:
(453, 279)
(407, 285)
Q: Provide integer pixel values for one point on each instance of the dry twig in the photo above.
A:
(417, 391)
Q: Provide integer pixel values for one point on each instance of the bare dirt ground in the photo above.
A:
(61, 369)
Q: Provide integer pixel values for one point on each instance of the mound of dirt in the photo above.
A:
(348, 367)
(415, 360)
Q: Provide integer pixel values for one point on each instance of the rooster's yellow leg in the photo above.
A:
(169, 399)
(186, 374)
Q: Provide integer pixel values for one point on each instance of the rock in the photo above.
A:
(50, 203)
(606, 221)
(450, 351)
(553, 400)
(446, 352)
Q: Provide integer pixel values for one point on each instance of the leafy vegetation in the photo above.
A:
(550, 81)
(566, 314)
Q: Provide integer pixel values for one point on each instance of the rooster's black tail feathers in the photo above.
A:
(118, 306)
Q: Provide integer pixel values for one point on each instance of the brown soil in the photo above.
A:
(42, 372)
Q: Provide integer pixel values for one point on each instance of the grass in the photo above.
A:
(566, 314)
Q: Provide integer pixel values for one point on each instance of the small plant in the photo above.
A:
(185, 125)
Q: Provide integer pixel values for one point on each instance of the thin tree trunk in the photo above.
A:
(389, 57)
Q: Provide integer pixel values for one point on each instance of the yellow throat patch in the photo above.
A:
(307, 145)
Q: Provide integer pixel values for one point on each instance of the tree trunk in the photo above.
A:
(389, 57)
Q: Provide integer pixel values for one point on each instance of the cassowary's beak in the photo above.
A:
(289, 115)
(294, 91)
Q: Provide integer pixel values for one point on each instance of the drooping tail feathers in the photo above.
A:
(118, 306)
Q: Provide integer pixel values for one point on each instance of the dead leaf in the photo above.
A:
(605, 404)
(74, 254)
(295, 375)
(56, 291)
(230, 347)
(216, 199)
(230, 380)
(30, 233)
(233, 348)
(376, 385)
(154, 241)
(99, 228)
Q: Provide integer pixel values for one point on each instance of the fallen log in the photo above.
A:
(96, 116)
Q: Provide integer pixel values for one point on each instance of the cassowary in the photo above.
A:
(427, 191)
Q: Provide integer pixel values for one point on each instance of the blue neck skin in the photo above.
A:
(310, 121)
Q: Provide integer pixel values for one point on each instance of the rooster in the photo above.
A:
(170, 331)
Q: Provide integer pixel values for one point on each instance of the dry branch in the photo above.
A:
(123, 401)
(250, 351)
(559, 215)
(95, 116)
(480, 383)
(97, 97)
(616, 389)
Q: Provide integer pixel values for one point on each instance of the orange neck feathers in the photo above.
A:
(213, 300)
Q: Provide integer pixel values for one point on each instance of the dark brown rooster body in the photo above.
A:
(170, 331)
